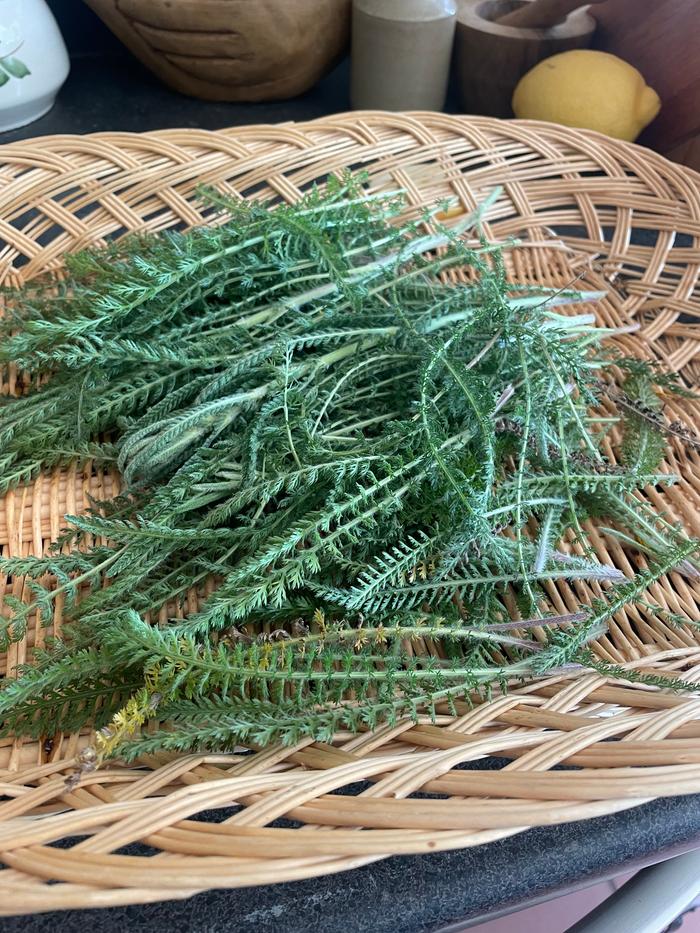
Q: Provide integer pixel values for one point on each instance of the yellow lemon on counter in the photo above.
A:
(589, 89)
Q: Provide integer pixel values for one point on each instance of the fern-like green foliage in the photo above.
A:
(644, 445)
(364, 459)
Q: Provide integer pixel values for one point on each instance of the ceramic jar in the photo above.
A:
(401, 52)
(33, 61)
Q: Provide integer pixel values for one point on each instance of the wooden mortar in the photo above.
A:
(491, 58)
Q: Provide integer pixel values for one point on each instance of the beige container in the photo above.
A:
(401, 52)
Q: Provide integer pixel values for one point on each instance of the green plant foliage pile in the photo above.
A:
(304, 410)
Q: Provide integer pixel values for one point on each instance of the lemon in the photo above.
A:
(589, 89)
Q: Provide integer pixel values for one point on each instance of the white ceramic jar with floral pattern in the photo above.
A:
(33, 61)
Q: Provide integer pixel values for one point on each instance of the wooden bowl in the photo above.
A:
(491, 58)
(250, 50)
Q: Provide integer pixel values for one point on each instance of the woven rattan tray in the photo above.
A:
(624, 219)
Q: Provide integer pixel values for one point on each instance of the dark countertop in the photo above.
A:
(437, 893)
(420, 894)
(115, 92)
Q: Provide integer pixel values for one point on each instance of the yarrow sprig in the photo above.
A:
(369, 462)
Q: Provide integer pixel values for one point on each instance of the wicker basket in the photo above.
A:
(582, 204)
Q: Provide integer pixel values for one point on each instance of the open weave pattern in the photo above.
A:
(579, 202)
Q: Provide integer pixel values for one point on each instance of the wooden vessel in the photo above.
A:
(492, 56)
(661, 39)
(232, 50)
